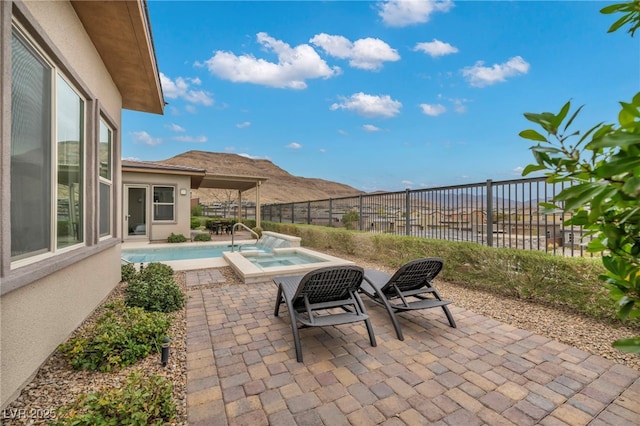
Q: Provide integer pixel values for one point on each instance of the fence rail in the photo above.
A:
(491, 213)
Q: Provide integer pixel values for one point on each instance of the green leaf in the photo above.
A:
(613, 8)
(615, 139)
(632, 186)
(618, 166)
(532, 135)
(532, 168)
(575, 114)
(631, 345)
(561, 115)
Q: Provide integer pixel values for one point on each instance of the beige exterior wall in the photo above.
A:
(36, 318)
(160, 231)
(43, 302)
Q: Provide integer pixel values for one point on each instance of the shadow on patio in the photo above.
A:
(242, 369)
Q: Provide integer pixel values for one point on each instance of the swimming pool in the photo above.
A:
(169, 253)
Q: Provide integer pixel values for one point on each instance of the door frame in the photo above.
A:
(126, 216)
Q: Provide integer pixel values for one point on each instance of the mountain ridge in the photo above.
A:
(280, 187)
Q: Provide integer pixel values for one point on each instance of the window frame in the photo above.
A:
(107, 181)
(15, 274)
(155, 204)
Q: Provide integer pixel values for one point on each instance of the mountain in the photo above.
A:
(281, 186)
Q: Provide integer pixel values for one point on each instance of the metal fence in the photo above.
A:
(495, 214)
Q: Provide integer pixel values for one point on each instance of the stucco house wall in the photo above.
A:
(46, 296)
(160, 230)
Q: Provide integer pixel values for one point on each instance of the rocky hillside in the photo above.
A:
(281, 187)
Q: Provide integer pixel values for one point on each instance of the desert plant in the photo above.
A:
(140, 401)
(603, 168)
(202, 237)
(154, 289)
(257, 230)
(120, 337)
(176, 238)
(195, 223)
(196, 210)
(127, 271)
(350, 219)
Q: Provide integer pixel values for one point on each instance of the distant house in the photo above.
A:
(157, 197)
(68, 70)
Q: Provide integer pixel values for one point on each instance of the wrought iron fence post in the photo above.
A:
(293, 212)
(489, 213)
(407, 212)
(331, 212)
(308, 212)
(360, 212)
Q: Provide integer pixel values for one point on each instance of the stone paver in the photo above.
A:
(242, 369)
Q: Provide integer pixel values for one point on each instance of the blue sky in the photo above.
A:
(378, 95)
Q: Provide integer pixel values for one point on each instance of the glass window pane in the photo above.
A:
(104, 151)
(105, 209)
(163, 212)
(163, 194)
(30, 150)
(70, 130)
(163, 203)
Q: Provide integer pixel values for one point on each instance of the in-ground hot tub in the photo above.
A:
(276, 255)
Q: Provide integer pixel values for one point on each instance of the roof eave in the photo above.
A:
(121, 33)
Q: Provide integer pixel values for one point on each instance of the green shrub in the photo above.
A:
(154, 289)
(127, 271)
(156, 269)
(176, 238)
(544, 278)
(140, 401)
(195, 223)
(196, 210)
(120, 337)
(202, 237)
(257, 230)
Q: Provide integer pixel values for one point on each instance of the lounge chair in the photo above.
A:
(410, 288)
(312, 298)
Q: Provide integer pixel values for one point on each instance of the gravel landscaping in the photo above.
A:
(57, 384)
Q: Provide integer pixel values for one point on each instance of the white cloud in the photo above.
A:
(294, 145)
(433, 109)
(365, 53)
(253, 157)
(407, 183)
(294, 66)
(436, 48)
(479, 76)
(243, 125)
(191, 139)
(459, 104)
(322, 150)
(401, 13)
(343, 132)
(370, 128)
(369, 105)
(145, 139)
(180, 89)
(175, 128)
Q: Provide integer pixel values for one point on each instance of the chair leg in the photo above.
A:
(278, 302)
(372, 337)
(394, 319)
(447, 312)
(296, 333)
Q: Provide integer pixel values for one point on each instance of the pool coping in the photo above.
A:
(251, 273)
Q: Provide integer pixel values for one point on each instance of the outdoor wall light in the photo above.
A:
(183, 191)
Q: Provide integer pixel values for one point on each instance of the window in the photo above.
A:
(70, 131)
(47, 167)
(104, 157)
(163, 203)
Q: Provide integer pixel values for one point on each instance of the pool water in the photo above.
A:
(160, 254)
(267, 260)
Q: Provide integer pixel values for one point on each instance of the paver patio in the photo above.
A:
(242, 369)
